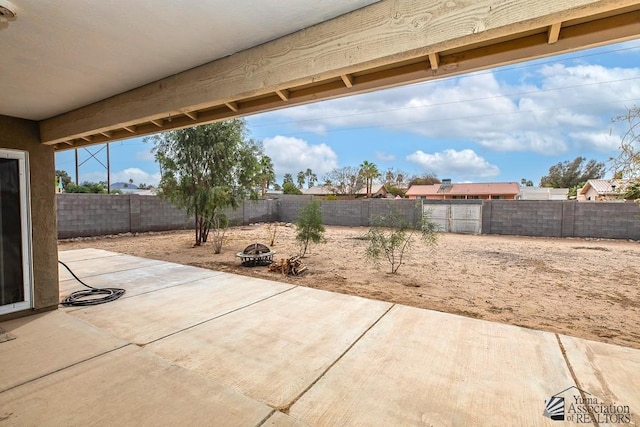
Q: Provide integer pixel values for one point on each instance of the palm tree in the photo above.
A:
(369, 172)
(311, 178)
(301, 178)
(287, 178)
(267, 174)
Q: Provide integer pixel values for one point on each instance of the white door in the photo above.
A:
(15, 233)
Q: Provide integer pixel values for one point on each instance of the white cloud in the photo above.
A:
(598, 141)
(138, 175)
(145, 155)
(291, 155)
(464, 164)
(549, 111)
(385, 157)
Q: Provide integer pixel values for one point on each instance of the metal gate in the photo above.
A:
(455, 218)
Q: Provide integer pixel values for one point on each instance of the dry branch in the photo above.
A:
(289, 267)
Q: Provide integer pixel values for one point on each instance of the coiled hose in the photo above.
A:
(90, 296)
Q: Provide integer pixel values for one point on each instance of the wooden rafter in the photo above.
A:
(434, 61)
(130, 129)
(157, 122)
(233, 106)
(283, 94)
(347, 79)
(193, 115)
(554, 33)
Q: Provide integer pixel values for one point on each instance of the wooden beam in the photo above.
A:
(379, 35)
(157, 122)
(554, 32)
(87, 138)
(434, 61)
(107, 133)
(233, 106)
(283, 94)
(130, 128)
(193, 115)
(347, 79)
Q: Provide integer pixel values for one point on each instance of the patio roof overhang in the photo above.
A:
(385, 44)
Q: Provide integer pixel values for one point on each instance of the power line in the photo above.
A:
(383, 125)
(507, 95)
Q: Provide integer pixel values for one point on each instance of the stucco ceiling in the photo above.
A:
(59, 55)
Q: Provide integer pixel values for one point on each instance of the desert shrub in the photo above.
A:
(272, 232)
(391, 236)
(218, 228)
(309, 226)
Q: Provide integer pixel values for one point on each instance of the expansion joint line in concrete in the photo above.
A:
(265, 419)
(575, 380)
(219, 316)
(110, 272)
(286, 409)
(170, 286)
(66, 367)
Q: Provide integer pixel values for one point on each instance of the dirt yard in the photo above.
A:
(578, 287)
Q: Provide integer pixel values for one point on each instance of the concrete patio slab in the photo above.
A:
(144, 318)
(104, 265)
(222, 349)
(609, 373)
(273, 351)
(419, 367)
(140, 280)
(46, 343)
(84, 254)
(278, 419)
(129, 386)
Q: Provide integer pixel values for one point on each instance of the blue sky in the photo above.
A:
(502, 124)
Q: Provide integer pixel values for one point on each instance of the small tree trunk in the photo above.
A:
(197, 229)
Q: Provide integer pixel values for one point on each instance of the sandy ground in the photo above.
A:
(578, 287)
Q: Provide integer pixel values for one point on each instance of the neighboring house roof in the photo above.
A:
(375, 189)
(323, 190)
(485, 188)
(423, 190)
(493, 188)
(605, 187)
(121, 185)
(317, 190)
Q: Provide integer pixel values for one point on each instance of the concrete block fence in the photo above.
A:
(567, 218)
(82, 215)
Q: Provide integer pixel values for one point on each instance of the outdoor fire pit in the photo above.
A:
(256, 254)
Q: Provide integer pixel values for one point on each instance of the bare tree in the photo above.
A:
(627, 164)
(346, 180)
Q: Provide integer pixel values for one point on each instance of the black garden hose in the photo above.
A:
(88, 296)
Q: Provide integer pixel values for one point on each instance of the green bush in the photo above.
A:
(309, 226)
(391, 236)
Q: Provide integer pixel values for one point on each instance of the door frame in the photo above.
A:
(25, 222)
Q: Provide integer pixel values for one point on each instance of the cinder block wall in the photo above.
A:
(607, 220)
(150, 213)
(92, 214)
(84, 215)
(350, 213)
(610, 220)
(288, 207)
(99, 214)
(523, 217)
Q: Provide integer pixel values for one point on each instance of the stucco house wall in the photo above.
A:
(19, 134)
